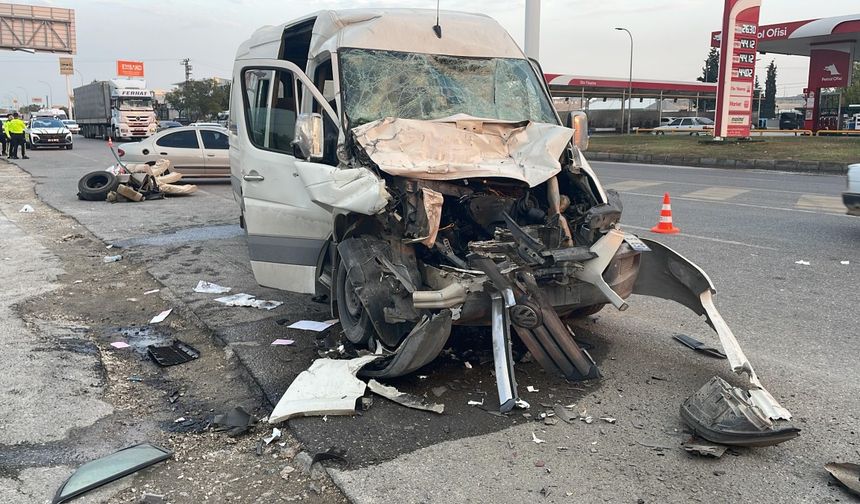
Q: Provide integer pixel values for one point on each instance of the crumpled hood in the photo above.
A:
(462, 146)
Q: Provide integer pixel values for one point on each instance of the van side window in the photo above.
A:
(270, 108)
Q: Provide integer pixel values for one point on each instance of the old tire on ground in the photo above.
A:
(95, 186)
(354, 320)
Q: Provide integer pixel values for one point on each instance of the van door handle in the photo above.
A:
(163, 153)
(253, 178)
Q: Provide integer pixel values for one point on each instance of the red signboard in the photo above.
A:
(129, 68)
(830, 66)
(737, 68)
(779, 31)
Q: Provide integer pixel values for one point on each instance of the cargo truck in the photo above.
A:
(119, 108)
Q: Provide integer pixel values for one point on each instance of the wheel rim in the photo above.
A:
(353, 303)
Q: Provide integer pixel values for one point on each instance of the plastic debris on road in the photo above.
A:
(802, 262)
(848, 474)
(120, 344)
(536, 439)
(248, 300)
(704, 448)
(113, 258)
(476, 403)
(328, 387)
(281, 341)
(26, 209)
(274, 436)
(161, 316)
(235, 422)
(312, 325)
(402, 398)
(153, 291)
(844, 263)
(532, 389)
(205, 287)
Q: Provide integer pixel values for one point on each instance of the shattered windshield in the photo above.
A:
(377, 84)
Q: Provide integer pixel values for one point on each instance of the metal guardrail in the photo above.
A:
(688, 131)
(837, 132)
(757, 132)
(795, 132)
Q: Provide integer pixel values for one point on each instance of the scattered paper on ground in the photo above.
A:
(845, 263)
(27, 209)
(113, 258)
(312, 325)
(243, 299)
(205, 287)
(119, 344)
(536, 439)
(328, 387)
(802, 262)
(161, 316)
(281, 341)
(408, 400)
(153, 291)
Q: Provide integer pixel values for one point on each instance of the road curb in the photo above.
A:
(785, 165)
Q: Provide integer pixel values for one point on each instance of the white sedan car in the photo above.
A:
(194, 151)
(691, 125)
(73, 126)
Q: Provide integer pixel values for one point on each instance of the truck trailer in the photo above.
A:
(118, 108)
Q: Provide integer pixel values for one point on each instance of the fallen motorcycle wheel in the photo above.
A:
(95, 186)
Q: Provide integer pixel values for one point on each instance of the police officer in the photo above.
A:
(4, 141)
(15, 132)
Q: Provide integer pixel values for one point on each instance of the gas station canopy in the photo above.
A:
(577, 86)
(800, 37)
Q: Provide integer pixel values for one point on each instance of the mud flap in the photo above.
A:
(419, 348)
(666, 274)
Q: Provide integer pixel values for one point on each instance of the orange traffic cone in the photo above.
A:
(665, 225)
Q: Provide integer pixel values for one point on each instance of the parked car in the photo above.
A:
(681, 124)
(73, 126)
(664, 121)
(211, 124)
(194, 151)
(163, 125)
(851, 196)
(47, 132)
(790, 120)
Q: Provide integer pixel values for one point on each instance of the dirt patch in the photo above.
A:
(97, 303)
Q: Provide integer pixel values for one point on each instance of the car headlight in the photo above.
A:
(34, 138)
(68, 137)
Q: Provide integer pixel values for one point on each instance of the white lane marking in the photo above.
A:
(708, 238)
(675, 182)
(716, 193)
(631, 185)
(763, 207)
(817, 202)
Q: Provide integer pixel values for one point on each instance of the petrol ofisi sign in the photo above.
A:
(129, 68)
(737, 68)
(830, 66)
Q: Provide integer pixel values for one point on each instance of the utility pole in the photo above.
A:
(188, 68)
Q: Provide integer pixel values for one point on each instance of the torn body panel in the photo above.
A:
(666, 274)
(352, 190)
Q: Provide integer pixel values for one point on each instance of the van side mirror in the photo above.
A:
(309, 136)
(578, 121)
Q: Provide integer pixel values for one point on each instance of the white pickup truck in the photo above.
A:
(422, 178)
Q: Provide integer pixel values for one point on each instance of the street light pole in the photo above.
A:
(50, 93)
(26, 94)
(630, 81)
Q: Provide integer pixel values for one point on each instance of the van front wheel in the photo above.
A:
(354, 319)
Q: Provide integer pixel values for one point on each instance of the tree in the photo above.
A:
(851, 95)
(710, 73)
(199, 99)
(29, 109)
(768, 106)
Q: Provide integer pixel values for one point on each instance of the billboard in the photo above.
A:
(37, 28)
(830, 66)
(737, 68)
(129, 68)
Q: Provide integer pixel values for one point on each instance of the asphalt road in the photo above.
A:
(797, 324)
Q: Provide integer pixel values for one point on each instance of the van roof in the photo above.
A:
(407, 30)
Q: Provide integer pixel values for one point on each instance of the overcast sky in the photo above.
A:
(577, 37)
